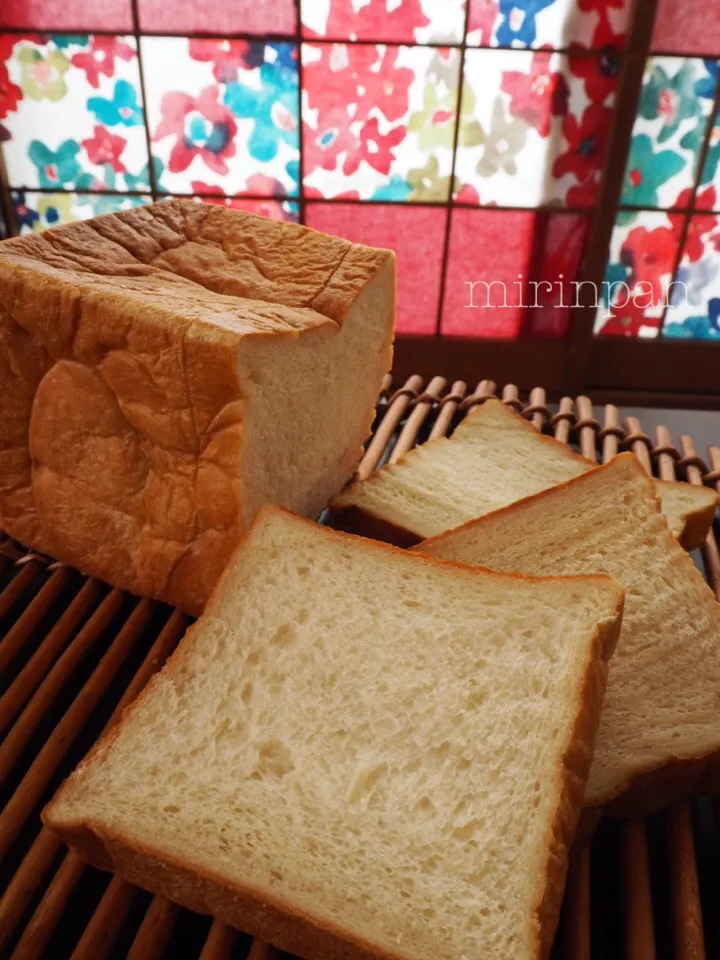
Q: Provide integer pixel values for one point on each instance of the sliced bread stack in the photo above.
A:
(660, 732)
(494, 458)
(359, 752)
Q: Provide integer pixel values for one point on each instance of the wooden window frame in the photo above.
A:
(663, 372)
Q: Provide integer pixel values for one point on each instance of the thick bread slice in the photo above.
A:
(494, 458)
(167, 370)
(660, 731)
(358, 752)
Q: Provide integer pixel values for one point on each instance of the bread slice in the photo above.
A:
(358, 752)
(494, 458)
(166, 370)
(660, 731)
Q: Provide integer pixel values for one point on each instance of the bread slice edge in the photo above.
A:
(258, 911)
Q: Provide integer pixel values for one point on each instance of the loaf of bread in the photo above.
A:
(167, 370)
(659, 736)
(358, 752)
(494, 458)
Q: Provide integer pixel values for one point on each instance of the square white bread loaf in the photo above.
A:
(358, 752)
(167, 370)
(493, 458)
(659, 736)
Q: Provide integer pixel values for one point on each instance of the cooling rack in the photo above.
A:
(74, 652)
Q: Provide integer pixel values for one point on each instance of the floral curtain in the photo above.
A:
(468, 135)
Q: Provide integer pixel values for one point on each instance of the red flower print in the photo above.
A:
(104, 148)
(227, 57)
(583, 194)
(362, 75)
(199, 187)
(10, 93)
(626, 319)
(600, 6)
(386, 87)
(322, 147)
(204, 128)
(257, 185)
(585, 140)
(375, 148)
(272, 209)
(604, 34)
(704, 200)
(99, 58)
(375, 20)
(467, 194)
(483, 14)
(314, 194)
(698, 226)
(7, 44)
(344, 87)
(650, 255)
(538, 95)
(599, 74)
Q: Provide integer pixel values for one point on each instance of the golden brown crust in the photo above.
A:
(238, 905)
(121, 414)
(698, 523)
(573, 778)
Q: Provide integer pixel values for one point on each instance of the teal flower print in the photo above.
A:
(672, 98)
(397, 188)
(64, 40)
(58, 168)
(109, 203)
(123, 108)
(273, 108)
(109, 180)
(712, 158)
(692, 328)
(141, 181)
(615, 274)
(647, 171)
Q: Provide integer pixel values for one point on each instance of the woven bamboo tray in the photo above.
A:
(74, 652)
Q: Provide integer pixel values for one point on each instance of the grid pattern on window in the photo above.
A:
(663, 273)
(466, 134)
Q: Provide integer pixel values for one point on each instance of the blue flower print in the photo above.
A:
(25, 215)
(705, 86)
(692, 281)
(122, 108)
(714, 313)
(518, 27)
(58, 168)
(273, 108)
(285, 55)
